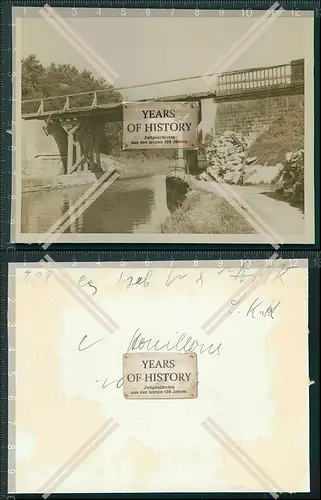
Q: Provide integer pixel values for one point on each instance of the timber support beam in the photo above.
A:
(83, 145)
(70, 127)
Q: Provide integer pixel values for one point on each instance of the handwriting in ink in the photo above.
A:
(239, 275)
(138, 342)
(29, 274)
(199, 281)
(257, 308)
(119, 382)
(171, 279)
(263, 273)
(141, 280)
(83, 282)
(80, 346)
(243, 273)
(282, 271)
(236, 303)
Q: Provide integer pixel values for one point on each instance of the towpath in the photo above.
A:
(280, 216)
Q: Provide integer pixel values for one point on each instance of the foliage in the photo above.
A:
(285, 135)
(285, 139)
(39, 81)
(289, 183)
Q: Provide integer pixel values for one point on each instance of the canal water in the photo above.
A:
(135, 205)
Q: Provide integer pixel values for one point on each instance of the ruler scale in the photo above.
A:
(141, 255)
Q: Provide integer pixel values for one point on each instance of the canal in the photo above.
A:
(136, 205)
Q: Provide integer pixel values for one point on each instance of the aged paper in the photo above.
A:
(71, 429)
(250, 178)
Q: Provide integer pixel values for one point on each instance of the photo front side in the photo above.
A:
(205, 135)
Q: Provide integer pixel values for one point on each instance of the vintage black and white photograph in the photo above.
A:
(165, 126)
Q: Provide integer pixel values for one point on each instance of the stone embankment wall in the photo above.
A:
(44, 158)
(252, 117)
(252, 110)
(44, 149)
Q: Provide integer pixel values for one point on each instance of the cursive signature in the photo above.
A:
(257, 308)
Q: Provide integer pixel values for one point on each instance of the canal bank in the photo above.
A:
(39, 184)
(45, 173)
(205, 211)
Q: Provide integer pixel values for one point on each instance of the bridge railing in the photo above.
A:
(63, 103)
(234, 82)
(256, 78)
(92, 99)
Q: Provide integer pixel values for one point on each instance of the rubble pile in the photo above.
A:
(227, 157)
(290, 181)
(228, 161)
(261, 174)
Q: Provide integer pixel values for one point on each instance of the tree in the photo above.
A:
(39, 81)
(32, 77)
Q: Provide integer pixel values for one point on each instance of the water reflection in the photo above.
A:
(127, 206)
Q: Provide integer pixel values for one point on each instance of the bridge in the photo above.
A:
(82, 115)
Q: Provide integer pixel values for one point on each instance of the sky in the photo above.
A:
(144, 49)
